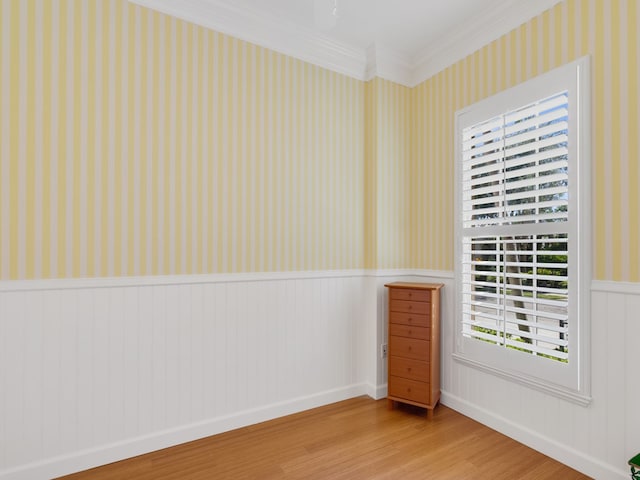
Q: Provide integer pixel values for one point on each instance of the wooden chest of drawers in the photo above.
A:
(414, 344)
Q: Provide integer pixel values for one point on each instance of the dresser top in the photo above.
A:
(415, 285)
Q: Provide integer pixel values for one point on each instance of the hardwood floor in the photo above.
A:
(355, 439)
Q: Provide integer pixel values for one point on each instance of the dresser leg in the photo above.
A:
(390, 404)
(429, 413)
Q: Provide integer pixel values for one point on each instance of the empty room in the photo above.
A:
(319, 239)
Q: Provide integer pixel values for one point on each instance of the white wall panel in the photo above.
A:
(631, 363)
(598, 439)
(91, 375)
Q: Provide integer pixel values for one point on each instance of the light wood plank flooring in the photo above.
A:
(355, 439)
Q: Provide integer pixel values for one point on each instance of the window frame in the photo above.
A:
(570, 381)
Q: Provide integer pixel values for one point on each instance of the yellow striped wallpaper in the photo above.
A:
(133, 143)
(388, 161)
(371, 175)
(605, 29)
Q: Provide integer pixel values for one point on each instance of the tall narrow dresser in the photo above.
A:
(414, 344)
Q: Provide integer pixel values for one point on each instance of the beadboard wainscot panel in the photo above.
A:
(598, 439)
(97, 370)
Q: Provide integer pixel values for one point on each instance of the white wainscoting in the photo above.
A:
(597, 440)
(93, 371)
(96, 370)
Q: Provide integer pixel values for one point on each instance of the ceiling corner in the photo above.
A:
(370, 62)
(270, 32)
(275, 33)
(394, 66)
(474, 34)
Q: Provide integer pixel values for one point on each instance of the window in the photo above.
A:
(522, 208)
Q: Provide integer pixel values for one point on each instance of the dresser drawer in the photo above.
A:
(410, 319)
(409, 347)
(408, 368)
(409, 331)
(412, 295)
(404, 306)
(414, 344)
(409, 389)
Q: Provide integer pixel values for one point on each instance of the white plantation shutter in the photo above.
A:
(519, 245)
(513, 296)
(515, 166)
(515, 287)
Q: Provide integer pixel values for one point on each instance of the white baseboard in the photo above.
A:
(558, 451)
(377, 391)
(83, 460)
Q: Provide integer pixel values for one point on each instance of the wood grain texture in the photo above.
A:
(406, 341)
(354, 439)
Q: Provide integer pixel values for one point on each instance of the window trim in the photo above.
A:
(575, 77)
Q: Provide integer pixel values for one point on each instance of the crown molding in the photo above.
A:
(474, 34)
(388, 64)
(267, 31)
(394, 66)
(297, 41)
(371, 61)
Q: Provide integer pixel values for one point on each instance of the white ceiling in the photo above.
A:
(405, 41)
(405, 26)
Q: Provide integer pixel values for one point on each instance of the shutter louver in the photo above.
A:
(515, 173)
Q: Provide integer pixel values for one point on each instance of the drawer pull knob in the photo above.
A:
(410, 332)
(409, 369)
(409, 348)
(410, 293)
(410, 319)
(408, 390)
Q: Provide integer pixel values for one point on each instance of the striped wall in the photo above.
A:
(387, 175)
(371, 175)
(432, 174)
(606, 30)
(133, 143)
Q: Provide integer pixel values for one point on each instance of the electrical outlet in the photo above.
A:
(383, 350)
